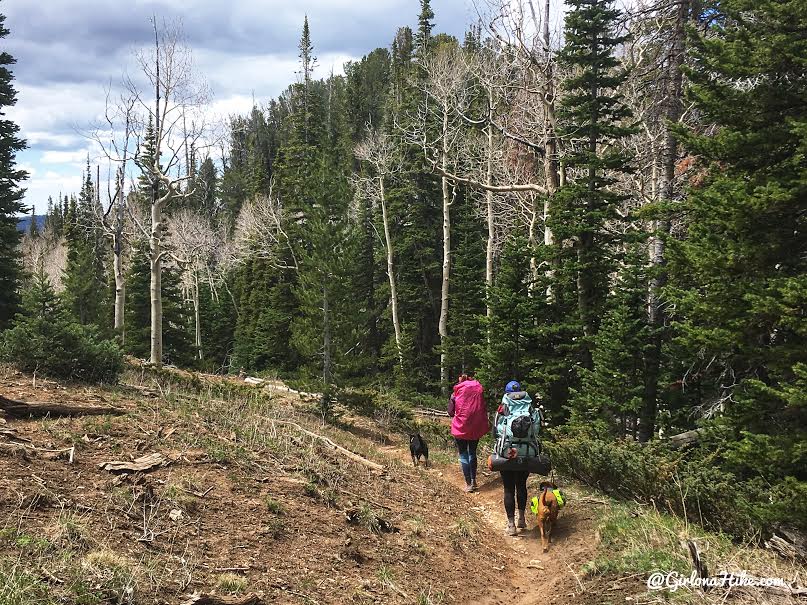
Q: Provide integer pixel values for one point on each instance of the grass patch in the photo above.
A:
(113, 577)
(18, 587)
(273, 506)
(638, 541)
(462, 533)
(232, 583)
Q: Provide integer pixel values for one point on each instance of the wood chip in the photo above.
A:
(204, 598)
(143, 464)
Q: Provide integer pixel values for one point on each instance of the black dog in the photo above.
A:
(418, 447)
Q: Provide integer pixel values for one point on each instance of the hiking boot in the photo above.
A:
(522, 523)
(469, 489)
(474, 485)
(511, 528)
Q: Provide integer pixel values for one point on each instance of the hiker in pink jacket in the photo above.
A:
(469, 423)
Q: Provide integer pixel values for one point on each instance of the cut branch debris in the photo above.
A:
(209, 599)
(36, 409)
(143, 464)
(333, 446)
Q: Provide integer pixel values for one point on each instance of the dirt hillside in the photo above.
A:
(246, 503)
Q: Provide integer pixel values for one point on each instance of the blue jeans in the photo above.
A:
(467, 452)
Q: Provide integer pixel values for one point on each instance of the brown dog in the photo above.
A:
(547, 514)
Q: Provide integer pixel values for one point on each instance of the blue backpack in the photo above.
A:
(515, 436)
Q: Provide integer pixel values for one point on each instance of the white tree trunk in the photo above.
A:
(443, 325)
(489, 207)
(196, 316)
(393, 290)
(120, 289)
(551, 168)
(155, 257)
(117, 250)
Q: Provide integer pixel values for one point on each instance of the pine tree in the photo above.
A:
(177, 318)
(205, 187)
(610, 396)
(593, 117)
(423, 37)
(739, 277)
(507, 356)
(85, 280)
(33, 228)
(46, 338)
(10, 193)
(467, 291)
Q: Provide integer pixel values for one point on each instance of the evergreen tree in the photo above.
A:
(85, 280)
(467, 289)
(593, 117)
(266, 306)
(507, 355)
(609, 398)
(54, 219)
(739, 277)
(206, 187)
(178, 346)
(46, 338)
(10, 193)
(33, 229)
(423, 38)
(584, 217)
(217, 318)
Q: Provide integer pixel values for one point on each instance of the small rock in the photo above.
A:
(175, 514)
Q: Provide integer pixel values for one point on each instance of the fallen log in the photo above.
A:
(13, 450)
(204, 598)
(12, 435)
(789, 543)
(37, 409)
(431, 412)
(143, 464)
(333, 446)
(684, 439)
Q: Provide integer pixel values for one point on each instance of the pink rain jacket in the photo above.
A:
(470, 415)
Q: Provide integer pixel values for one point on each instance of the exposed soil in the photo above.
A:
(214, 510)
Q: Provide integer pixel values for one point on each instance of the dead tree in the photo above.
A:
(439, 130)
(178, 97)
(116, 140)
(193, 244)
(378, 151)
(655, 93)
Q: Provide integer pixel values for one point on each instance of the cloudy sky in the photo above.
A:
(69, 51)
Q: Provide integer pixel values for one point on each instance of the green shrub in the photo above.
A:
(45, 338)
(689, 483)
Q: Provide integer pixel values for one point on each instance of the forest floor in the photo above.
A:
(247, 502)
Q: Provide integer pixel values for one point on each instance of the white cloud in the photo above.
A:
(69, 51)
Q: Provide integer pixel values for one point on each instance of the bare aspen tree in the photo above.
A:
(491, 75)
(378, 150)
(193, 243)
(260, 231)
(45, 253)
(115, 141)
(168, 69)
(439, 131)
(522, 29)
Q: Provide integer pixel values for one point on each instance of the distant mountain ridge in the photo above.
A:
(24, 222)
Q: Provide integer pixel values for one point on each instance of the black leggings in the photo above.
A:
(515, 484)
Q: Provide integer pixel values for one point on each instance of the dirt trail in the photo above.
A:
(540, 577)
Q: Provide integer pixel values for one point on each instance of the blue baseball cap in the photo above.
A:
(512, 387)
